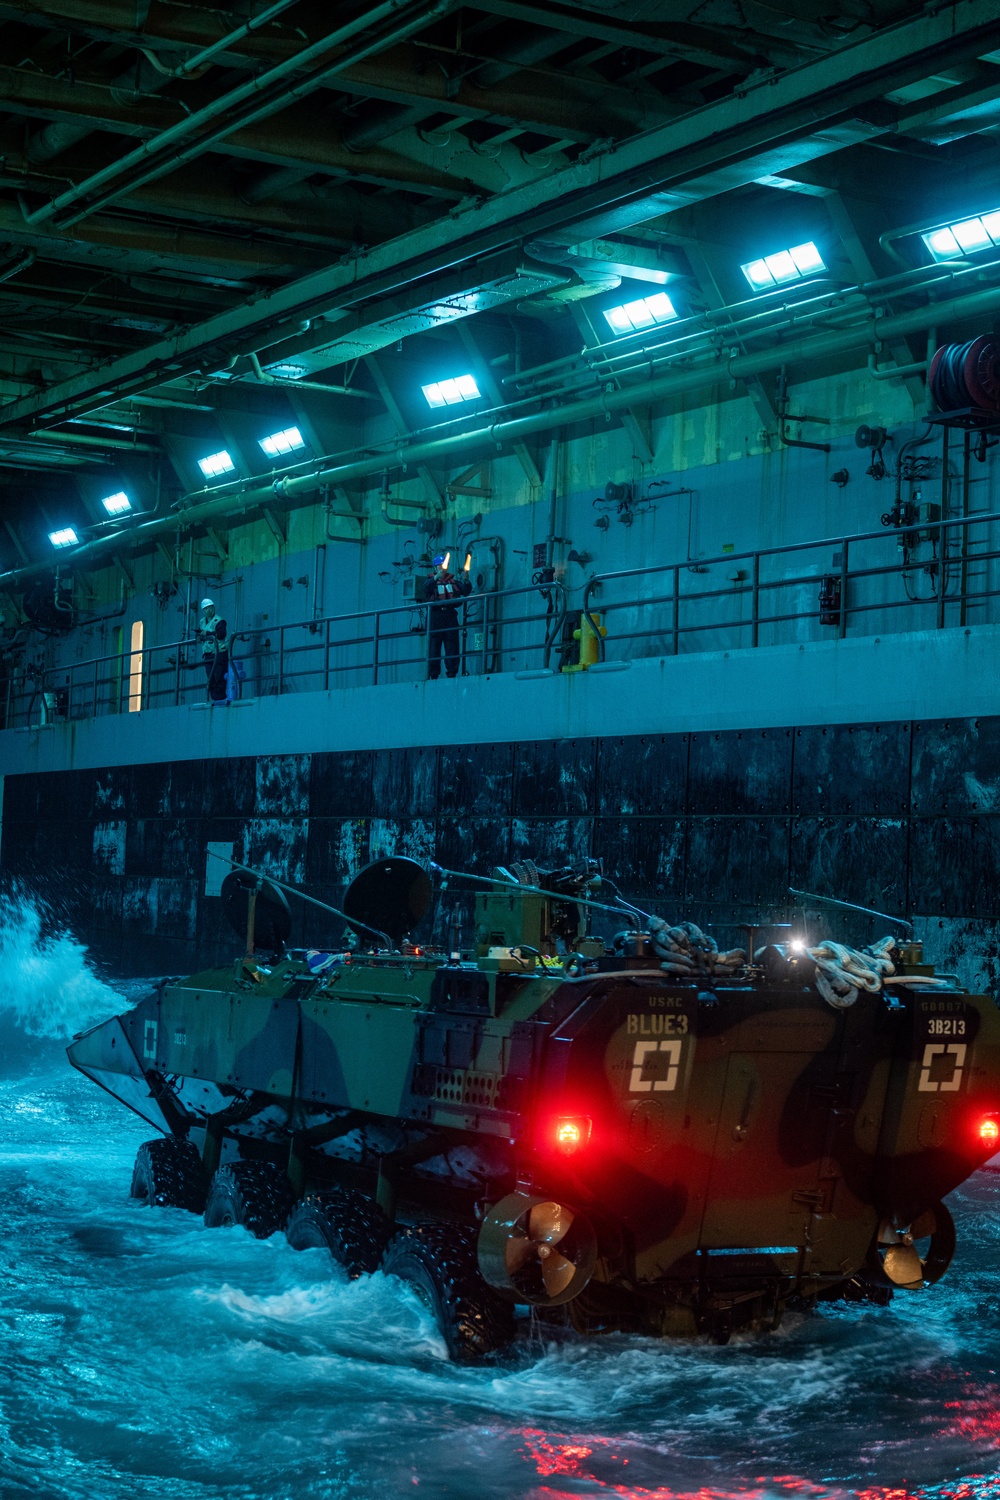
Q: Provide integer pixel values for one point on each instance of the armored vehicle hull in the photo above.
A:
(614, 1143)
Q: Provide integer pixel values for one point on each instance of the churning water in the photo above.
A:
(143, 1356)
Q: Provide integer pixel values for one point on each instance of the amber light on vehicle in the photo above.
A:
(989, 1131)
(572, 1132)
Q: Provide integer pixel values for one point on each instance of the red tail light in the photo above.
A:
(989, 1131)
(572, 1132)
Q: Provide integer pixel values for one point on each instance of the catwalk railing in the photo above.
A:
(927, 575)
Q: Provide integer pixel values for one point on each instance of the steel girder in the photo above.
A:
(808, 112)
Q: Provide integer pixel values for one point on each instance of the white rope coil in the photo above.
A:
(841, 971)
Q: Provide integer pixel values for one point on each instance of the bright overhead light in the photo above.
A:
(67, 537)
(644, 312)
(965, 237)
(216, 464)
(784, 267)
(451, 392)
(287, 372)
(117, 505)
(282, 442)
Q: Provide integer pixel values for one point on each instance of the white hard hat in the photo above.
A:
(208, 604)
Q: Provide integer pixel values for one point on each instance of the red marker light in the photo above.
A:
(989, 1132)
(571, 1133)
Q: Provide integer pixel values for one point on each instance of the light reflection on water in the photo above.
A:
(143, 1355)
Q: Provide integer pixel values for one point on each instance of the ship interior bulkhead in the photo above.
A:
(500, 582)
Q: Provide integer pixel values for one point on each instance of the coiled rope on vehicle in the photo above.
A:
(685, 949)
(841, 972)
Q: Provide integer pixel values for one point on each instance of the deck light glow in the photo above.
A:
(282, 442)
(216, 464)
(784, 267)
(451, 392)
(644, 312)
(117, 505)
(989, 1132)
(965, 237)
(67, 537)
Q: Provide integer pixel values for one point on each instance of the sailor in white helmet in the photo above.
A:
(214, 637)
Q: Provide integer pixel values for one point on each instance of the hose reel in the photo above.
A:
(918, 1256)
(964, 375)
(535, 1250)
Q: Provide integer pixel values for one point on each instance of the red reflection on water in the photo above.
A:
(595, 1460)
(978, 1419)
(574, 1458)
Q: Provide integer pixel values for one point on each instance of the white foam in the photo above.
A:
(47, 986)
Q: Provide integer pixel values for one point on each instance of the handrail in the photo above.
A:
(370, 645)
(841, 543)
(109, 689)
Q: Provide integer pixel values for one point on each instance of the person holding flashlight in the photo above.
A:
(442, 592)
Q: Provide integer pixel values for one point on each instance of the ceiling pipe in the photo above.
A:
(197, 509)
(71, 207)
(710, 151)
(201, 59)
(262, 377)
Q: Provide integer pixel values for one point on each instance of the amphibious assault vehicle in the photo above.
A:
(647, 1135)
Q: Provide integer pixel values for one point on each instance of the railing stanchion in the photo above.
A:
(677, 610)
(375, 646)
(755, 614)
(844, 578)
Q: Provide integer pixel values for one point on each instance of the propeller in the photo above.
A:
(907, 1260)
(547, 1226)
(536, 1250)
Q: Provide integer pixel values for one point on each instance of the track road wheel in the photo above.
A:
(169, 1174)
(349, 1225)
(440, 1265)
(255, 1194)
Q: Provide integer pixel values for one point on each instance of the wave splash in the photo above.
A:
(47, 986)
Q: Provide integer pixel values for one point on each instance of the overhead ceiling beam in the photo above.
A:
(133, 245)
(806, 113)
(432, 488)
(296, 138)
(247, 104)
(495, 397)
(704, 44)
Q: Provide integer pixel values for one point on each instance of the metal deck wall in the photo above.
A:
(713, 827)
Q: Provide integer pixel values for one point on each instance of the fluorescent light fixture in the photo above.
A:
(784, 267)
(216, 464)
(644, 312)
(282, 442)
(67, 537)
(117, 505)
(451, 392)
(965, 237)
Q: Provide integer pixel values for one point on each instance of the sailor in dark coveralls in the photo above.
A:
(442, 591)
(214, 651)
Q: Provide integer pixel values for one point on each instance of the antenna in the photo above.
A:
(508, 883)
(850, 906)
